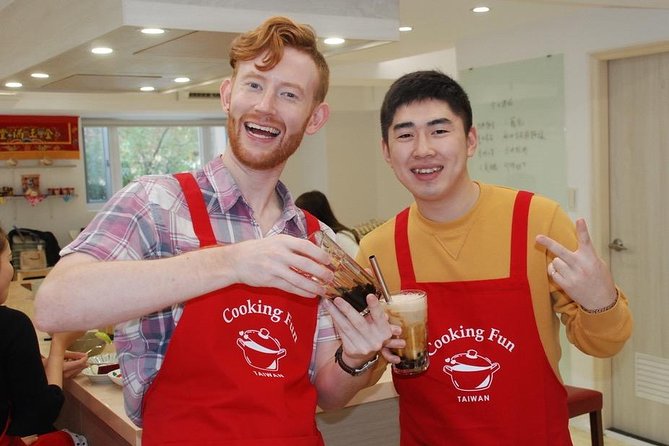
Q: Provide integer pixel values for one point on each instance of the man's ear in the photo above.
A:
(385, 150)
(472, 141)
(319, 117)
(226, 91)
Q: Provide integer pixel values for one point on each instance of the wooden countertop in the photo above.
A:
(106, 400)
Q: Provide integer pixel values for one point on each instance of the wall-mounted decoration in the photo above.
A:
(30, 184)
(39, 137)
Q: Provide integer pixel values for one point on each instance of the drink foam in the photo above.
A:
(411, 305)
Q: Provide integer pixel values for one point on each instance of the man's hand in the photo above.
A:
(582, 274)
(364, 336)
(288, 263)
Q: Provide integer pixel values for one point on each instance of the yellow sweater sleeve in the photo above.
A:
(477, 246)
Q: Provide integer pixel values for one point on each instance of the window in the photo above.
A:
(115, 152)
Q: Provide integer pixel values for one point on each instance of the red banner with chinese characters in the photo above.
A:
(38, 137)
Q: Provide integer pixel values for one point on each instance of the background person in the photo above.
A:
(498, 266)
(317, 204)
(31, 394)
(225, 345)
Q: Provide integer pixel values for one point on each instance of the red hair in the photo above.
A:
(271, 37)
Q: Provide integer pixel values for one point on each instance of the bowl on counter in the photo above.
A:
(103, 358)
(91, 372)
(115, 377)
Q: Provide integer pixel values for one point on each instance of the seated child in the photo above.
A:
(31, 394)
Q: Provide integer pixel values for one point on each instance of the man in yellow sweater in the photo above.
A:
(499, 266)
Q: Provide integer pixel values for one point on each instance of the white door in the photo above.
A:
(639, 220)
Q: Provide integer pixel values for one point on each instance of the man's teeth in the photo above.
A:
(270, 130)
(427, 170)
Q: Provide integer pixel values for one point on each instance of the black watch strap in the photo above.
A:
(350, 370)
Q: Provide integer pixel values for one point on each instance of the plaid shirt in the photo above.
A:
(149, 219)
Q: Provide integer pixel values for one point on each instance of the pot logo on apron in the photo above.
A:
(260, 349)
(470, 372)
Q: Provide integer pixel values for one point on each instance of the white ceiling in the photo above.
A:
(200, 31)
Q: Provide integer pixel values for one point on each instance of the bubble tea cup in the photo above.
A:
(408, 309)
(351, 281)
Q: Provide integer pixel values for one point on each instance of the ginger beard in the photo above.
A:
(267, 160)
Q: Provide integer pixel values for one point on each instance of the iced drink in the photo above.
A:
(408, 309)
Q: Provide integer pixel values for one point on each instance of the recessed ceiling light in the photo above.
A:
(182, 80)
(153, 31)
(40, 75)
(147, 88)
(102, 50)
(13, 84)
(334, 41)
(405, 29)
(480, 9)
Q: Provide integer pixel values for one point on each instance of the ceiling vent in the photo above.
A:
(196, 96)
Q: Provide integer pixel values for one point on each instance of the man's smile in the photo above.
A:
(427, 170)
(261, 131)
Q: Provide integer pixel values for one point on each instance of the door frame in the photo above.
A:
(601, 216)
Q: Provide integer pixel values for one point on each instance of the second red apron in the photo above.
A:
(489, 381)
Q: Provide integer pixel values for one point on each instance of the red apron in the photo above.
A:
(489, 381)
(236, 368)
(56, 438)
(6, 440)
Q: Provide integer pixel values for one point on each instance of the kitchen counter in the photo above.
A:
(96, 410)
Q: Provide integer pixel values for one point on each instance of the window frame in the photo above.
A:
(212, 135)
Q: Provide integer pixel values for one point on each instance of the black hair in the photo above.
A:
(317, 204)
(420, 86)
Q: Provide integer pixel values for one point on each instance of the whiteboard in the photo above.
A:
(518, 111)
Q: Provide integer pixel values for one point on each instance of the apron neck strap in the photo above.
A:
(197, 208)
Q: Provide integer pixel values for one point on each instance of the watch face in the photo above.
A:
(350, 370)
(368, 364)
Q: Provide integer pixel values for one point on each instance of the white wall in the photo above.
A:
(577, 37)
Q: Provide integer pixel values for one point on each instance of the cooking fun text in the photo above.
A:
(476, 334)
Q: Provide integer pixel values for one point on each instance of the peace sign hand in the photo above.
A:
(582, 274)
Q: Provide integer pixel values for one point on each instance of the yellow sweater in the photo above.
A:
(477, 247)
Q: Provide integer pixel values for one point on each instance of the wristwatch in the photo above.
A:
(350, 370)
